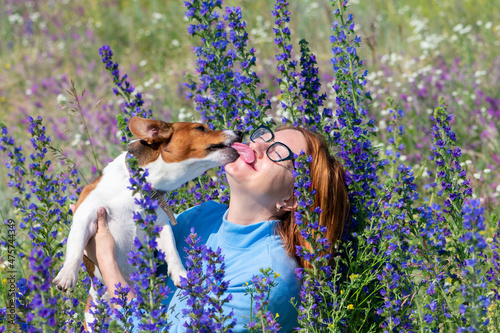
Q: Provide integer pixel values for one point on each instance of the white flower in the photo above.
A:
(498, 188)
(267, 119)
(175, 43)
(465, 30)
(61, 98)
(458, 27)
(157, 17)
(15, 18)
(76, 140)
(418, 25)
(149, 82)
(486, 171)
(477, 175)
(403, 10)
(488, 25)
(479, 73)
(143, 63)
(372, 75)
(382, 124)
(34, 16)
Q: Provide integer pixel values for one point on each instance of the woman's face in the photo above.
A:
(267, 181)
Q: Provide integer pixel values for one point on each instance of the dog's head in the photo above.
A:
(175, 153)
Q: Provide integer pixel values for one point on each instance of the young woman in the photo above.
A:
(257, 229)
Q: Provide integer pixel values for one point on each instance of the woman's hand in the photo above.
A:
(101, 247)
(101, 250)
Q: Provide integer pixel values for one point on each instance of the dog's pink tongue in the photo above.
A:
(246, 153)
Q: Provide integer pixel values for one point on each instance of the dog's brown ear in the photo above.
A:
(149, 130)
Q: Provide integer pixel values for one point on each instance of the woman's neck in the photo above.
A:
(245, 210)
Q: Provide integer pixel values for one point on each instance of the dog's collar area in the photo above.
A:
(158, 195)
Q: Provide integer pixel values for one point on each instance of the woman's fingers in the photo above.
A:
(102, 244)
(105, 243)
(102, 223)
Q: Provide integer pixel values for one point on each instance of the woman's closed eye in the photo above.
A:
(275, 155)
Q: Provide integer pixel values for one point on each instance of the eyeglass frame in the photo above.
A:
(291, 155)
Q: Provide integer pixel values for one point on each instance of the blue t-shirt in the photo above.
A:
(246, 250)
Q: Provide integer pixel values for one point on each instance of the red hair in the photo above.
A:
(327, 177)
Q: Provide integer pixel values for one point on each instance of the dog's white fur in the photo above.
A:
(113, 194)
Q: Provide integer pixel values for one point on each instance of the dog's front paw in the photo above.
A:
(66, 279)
(176, 274)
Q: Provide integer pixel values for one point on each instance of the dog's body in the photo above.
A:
(173, 154)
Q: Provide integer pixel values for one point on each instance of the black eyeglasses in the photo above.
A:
(277, 152)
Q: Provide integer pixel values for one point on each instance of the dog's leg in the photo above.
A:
(93, 297)
(83, 227)
(166, 244)
(89, 318)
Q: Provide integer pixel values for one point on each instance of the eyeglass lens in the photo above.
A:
(262, 134)
(277, 152)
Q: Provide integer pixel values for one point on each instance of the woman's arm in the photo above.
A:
(101, 250)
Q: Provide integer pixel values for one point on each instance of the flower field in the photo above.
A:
(405, 93)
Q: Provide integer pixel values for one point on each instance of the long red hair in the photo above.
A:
(327, 177)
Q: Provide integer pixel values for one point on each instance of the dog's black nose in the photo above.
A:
(239, 135)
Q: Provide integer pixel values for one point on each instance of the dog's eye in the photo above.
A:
(201, 128)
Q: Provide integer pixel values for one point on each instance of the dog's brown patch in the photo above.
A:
(175, 143)
(89, 265)
(191, 140)
(86, 191)
(144, 152)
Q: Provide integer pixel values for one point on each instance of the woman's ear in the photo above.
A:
(289, 204)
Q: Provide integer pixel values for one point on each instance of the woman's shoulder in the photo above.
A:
(208, 207)
(197, 217)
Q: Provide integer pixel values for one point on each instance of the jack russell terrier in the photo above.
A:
(174, 154)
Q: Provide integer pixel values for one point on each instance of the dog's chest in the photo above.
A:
(114, 194)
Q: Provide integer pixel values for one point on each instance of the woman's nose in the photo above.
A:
(259, 148)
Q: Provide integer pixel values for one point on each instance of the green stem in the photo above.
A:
(351, 67)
